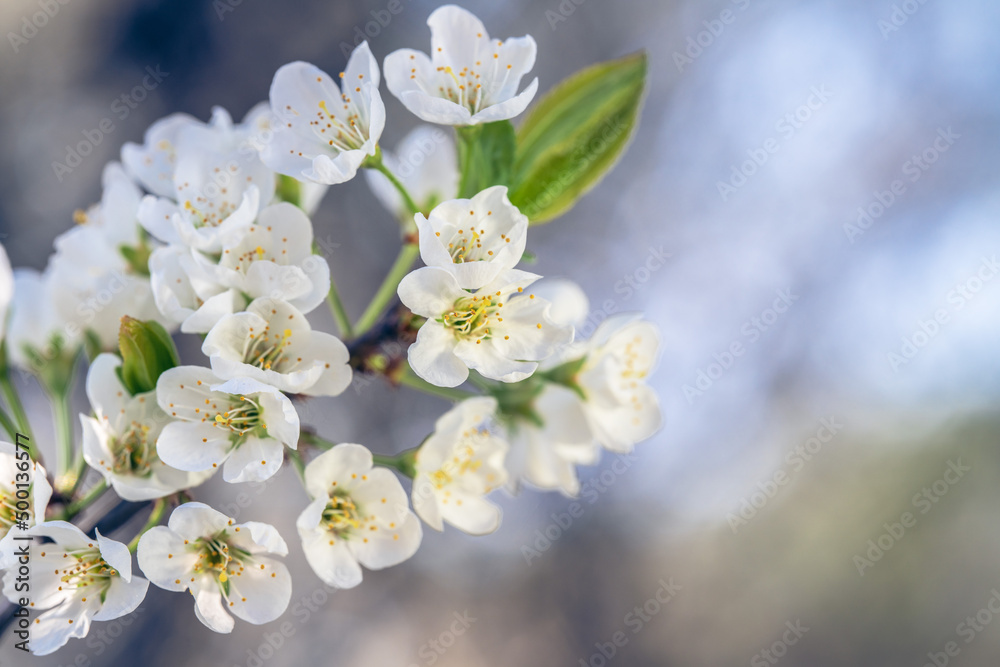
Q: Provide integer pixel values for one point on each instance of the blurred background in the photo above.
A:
(768, 510)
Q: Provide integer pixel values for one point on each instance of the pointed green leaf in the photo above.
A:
(575, 135)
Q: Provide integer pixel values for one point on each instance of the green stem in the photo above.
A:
(404, 462)
(315, 440)
(387, 290)
(87, 500)
(409, 379)
(154, 519)
(299, 465)
(339, 312)
(375, 162)
(13, 399)
(482, 383)
(66, 476)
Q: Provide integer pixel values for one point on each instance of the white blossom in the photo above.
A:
(621, 408)
(325, 128)
(99, 267)
(153, 162)
(120, 441)
(273, 342)
(16, 468)
(219, 185)
(226, 566)
(497, 330)
(36, 334)
(547, 447)
(457, 466)
(474, 239)
(273, 258)
(359, 516)
(74, 581)
(241, 423)
(469, 78)
(186, 289)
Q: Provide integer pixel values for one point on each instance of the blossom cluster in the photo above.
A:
(205, 228)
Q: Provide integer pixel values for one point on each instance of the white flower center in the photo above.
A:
(473, 317)
(345, 126)
(341, 515)
(8, 508)
(207, 213)
(86, 573)
(463, 460)
(133, 452)
(474, 85)
(269, 351)
(469, 244)
(242, 416)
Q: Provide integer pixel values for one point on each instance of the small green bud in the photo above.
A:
(146, 350)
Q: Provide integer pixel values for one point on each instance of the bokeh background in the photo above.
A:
(894, 76)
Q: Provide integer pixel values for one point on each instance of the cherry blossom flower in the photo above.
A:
(469, 78)
(153, 163)
(16, 468)
(242, 423)
(457, 466)
(273, 342)
(219, 185)
(37, 335)
(186, 290)
(426, 164)
(546, 448)
(359, 516)
(74, 581)
(474, 239)
(226, 566)
(495, 330)
(120, 442)
(620, 407)
(273, 258)
(326, 129)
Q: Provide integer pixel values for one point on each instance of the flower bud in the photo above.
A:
(147, 351)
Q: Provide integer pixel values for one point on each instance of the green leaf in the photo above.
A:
(575, 135)
(147, 350)
(486, 156)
